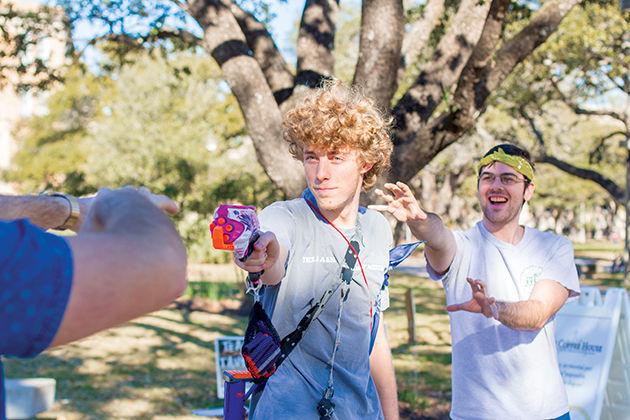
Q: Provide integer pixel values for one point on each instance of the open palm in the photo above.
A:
(480, 302)
(401, 202)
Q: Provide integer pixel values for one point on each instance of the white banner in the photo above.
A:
(588, 334)
(228, 356)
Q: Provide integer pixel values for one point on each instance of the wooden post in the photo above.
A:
(411, 316)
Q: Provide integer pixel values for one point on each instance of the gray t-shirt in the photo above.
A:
(499, 372)
(313, 266)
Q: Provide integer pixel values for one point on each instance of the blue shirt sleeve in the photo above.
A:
(35, 280)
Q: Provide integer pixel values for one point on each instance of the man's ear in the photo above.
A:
(529, 191)
(366, 167)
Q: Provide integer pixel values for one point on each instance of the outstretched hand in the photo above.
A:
(86, 219)
(401, 203)
(265, 254)
(480, 302)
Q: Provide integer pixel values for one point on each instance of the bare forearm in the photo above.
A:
(523, 315)
(128, 260)
(274, 274)
(43, 211)
(440, 246)
(431, 229)
(117, 278)
(127, 211)
(384, 376)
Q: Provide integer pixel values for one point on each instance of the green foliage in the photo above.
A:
(52, 145)
(213, 290)
(584, 63)
(169, 124)
(24, 29)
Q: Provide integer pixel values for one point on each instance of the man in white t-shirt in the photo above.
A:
(504, 284)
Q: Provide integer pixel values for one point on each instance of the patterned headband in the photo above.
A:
(519, 164)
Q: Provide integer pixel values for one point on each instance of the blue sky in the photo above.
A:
(282, 28)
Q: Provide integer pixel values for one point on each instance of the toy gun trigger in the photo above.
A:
(250, 246)
(253, 278)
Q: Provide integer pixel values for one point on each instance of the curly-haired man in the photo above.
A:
(326, 241)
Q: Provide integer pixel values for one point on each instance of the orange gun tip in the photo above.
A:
(219, 238)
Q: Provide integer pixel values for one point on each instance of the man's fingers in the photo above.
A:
(169, 206)
(404, 188)
(394, 189)
(266, 251)
(454, 308)
(388, 198)
(263, 241)
(251, 265)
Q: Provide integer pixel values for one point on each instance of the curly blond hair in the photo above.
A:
(334, 118)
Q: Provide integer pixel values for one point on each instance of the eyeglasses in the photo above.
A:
(506, 179)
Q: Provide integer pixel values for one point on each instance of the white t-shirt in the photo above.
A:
(499, 372)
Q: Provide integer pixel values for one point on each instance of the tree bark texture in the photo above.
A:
(469, 62)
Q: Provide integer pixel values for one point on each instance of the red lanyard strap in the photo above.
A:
(354, 251)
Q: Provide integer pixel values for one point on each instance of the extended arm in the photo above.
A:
(44, 211)
(383, 374)
(50, 212)
(127, 259)
(440, 244)
(546, 298)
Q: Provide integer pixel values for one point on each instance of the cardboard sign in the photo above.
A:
(593, 344)
(227, 352)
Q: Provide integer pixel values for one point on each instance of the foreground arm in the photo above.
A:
(44, 211)
(440, 243)
(383, 374)
(546, 299)
(128, 260)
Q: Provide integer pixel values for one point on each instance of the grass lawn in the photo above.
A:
(162, 365)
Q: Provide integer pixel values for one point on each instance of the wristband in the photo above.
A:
(75, 210)
(494, 308)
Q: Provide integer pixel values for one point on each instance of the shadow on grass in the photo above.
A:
(113, 375)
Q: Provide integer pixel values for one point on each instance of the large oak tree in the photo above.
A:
(433, 67)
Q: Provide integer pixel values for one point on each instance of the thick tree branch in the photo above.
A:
(227, 45)
(608, 184)
(416, 38)
(483, 75)
(382, 28)
(471, 92)
(266, 53)
(316, 40)
(437, 77)
(447, 128)
(544, 22)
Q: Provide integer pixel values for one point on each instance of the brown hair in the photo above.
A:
(334, 118)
